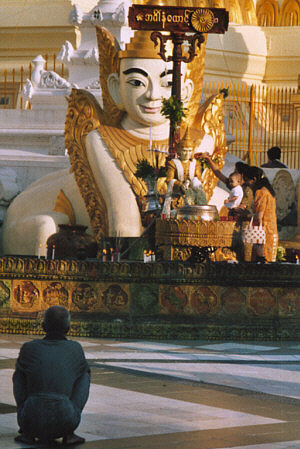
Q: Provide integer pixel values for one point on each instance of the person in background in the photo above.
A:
(274, 155)
(236, 192)
(264, 210)
(51, 383)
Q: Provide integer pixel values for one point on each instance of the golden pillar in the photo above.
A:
(295, 99)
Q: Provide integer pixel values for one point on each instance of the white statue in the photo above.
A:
(104, 148)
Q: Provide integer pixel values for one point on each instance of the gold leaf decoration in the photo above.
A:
(64, 206)
(210, 119)
(83, 117)
(109, 63)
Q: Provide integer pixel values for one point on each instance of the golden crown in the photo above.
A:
(140, 46)
(186, 141)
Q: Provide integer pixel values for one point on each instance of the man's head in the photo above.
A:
(274, 153)
(56, 320)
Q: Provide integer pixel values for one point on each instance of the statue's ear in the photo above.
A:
(187, 91)
(113, 84)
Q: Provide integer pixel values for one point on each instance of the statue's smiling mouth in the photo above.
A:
(149, 110)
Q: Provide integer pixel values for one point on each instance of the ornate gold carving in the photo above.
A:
(55, 293)
(267, 12)
(83, 117)
(290, 13)
(84, 297)
(195, 72)
(26, 296)
(64, 206)
(115, 297)
(109, 63)
(202, 20)
(127, 151)
(248, 12)
(194, 233)
(210, 119)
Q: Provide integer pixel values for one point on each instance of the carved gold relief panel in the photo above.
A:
(26, 296)
(115, 297)
(288, 302)
(188, 299)
(5, 294)
(262, 301)
(55, 293)
(85, 297)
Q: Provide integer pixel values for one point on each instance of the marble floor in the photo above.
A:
(178, 394)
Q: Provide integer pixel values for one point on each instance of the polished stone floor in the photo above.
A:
(178, 394)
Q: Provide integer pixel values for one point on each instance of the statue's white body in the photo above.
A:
(31, 218)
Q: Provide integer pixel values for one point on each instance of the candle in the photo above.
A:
(104, 256)
(39, 251)
(46, 252)
(145, 256)
(112, 254)
(150, 137)
(53, 252)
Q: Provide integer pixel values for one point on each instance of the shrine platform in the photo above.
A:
(160, 300)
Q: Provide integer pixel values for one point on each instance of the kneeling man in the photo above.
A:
(51, 383)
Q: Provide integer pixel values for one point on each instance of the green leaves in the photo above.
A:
(173, 109)
(145, 170)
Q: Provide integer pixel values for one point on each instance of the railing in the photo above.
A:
(12, 82)
(258, 117)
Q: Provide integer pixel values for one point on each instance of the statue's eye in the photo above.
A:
(136, 83)
(166, 83)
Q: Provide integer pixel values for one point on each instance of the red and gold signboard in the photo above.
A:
(179, 19)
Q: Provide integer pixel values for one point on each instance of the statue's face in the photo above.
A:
(142, 85)
(186, 153)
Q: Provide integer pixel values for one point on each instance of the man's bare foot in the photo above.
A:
(72, 438)
(24, 439)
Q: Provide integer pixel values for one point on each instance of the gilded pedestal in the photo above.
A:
(176, 238)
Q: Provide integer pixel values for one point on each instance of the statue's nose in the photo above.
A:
(154, 91)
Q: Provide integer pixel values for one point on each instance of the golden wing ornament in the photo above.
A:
(209, 119)
(83, 117)
(108, 63)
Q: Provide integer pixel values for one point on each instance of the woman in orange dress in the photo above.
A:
(264, 210)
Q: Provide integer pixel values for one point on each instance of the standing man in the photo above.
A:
(51, 383)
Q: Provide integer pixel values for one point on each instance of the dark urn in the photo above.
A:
(71, 241)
